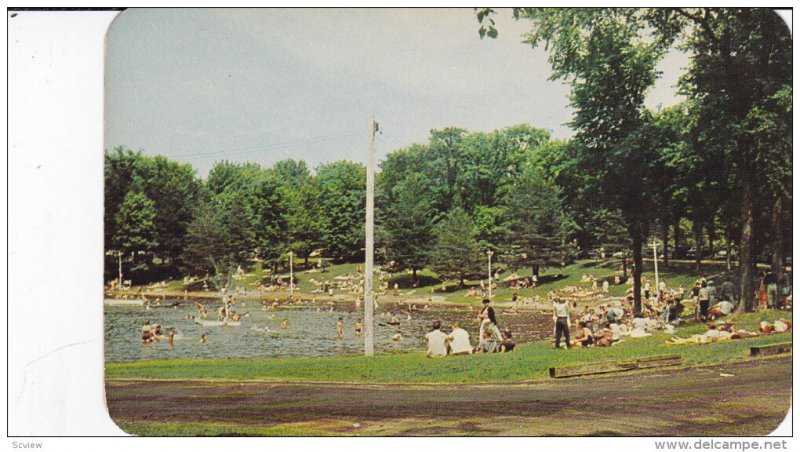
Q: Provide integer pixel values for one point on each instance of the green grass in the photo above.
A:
(529, 362)
(675, 275)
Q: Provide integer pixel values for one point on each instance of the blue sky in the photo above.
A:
(202, 85)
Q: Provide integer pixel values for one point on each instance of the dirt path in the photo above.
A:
(685, 402)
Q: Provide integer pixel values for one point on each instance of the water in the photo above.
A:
(311, 332)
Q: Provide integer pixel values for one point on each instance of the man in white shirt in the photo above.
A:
(459, 341)
(436, 341)
(561, 319)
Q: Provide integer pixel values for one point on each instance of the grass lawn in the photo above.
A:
(529, 362)
(678, 274)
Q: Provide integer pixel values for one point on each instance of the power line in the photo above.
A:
(268, 147)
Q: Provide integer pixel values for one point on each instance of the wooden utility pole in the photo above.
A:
(369, 347)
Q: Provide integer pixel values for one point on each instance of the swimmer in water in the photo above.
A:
(203, 338)
(285, 324)
(340, 328)
(358, 327)
(171, 337)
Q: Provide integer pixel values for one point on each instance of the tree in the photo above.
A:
(341, 190)
(456, 253)
(119, 171)
(610, 64)
(739, 80)
(173, 189)
(136, 230)
(302, 218)
(539, 223)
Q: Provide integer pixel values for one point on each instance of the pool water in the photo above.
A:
(311, 331)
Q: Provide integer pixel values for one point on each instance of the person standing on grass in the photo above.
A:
(488, 320)
(726, 293)
(561, 319)
(704, 300)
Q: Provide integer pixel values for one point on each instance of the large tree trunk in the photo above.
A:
(777, 243)
(747, 249)
(712, 236)
(677, 232)
(637, 273)
(625, 267)
(665, 239)
(413, 275)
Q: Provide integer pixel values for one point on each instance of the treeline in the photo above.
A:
(166, 221)
(440, 205)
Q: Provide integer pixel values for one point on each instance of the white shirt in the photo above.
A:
(436, 343)
(561, 309)
(459, 341)
(615, 330)
(725, 307)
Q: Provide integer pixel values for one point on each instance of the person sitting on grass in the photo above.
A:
(436, 341)
(487, 343)
(507, 345)
(778, 326)
(604, 338)
(458, 341)
(584, 336)
(712, 335)
(720, 309)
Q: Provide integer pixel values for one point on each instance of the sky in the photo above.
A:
(264, 85)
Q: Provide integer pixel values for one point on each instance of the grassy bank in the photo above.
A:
(529, 362)
(551, 279)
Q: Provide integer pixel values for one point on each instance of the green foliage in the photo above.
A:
(341, 202)
(539, 225)
(456, 253)
(136, 230)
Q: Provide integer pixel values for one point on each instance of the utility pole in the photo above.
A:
(369, 347)
(489, 253)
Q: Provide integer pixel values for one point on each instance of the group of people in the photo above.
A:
(723, 331)
(153, 333)
(340, 328)
(457, 342)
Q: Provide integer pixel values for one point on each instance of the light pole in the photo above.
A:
(119, 258)
(655, 262)
(489, 253)
(291, 276)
